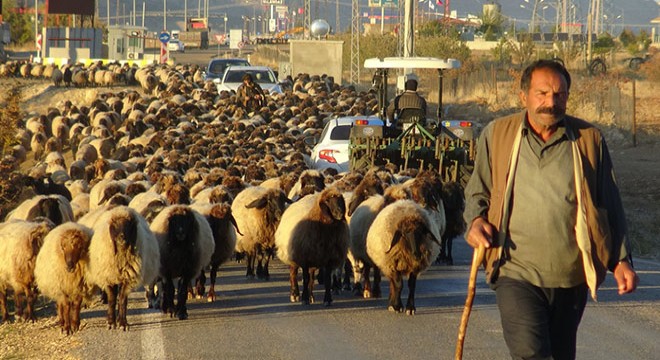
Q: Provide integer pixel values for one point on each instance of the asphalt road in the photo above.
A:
(253, 319)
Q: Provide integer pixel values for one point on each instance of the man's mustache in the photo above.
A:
(554, 110)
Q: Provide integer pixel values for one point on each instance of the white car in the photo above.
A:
(262, 75)
(176, 46)
(331, 151)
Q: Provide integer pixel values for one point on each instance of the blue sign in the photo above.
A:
(164, 37)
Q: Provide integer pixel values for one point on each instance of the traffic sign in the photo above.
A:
(38, 42)
(164, 37)
(240, 44)
(220, 39)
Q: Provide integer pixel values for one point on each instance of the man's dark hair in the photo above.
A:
(247, 77)
(411, 84)
(556, 66)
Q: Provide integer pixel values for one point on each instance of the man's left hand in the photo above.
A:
(626, 277)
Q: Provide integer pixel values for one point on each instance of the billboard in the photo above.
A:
(78, 7)
(384, 3)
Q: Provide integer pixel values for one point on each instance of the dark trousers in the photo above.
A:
(539, 323)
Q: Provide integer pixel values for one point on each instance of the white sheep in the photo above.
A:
(60, 271)
(148, 204)
(20, 242)
(185, 240)
(401, 242)
(309, 182)
(313, 234)
(257, 211)
(122, 254)
(54, 207)
(359, 225)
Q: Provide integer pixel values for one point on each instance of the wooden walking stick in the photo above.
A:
(477, 259)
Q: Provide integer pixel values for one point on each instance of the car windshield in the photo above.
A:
(259, 76)
(219, 67)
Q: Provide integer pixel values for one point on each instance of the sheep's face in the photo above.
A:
(181, 226)
(123, 230)
(74, 247)
(48, 208)
(333, 206)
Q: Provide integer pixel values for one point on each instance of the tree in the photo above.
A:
(491, 23)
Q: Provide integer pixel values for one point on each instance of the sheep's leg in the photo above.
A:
(366, 277)
(60, 314)
(395, 293)
(347, 275)
(250, 265)
(412, 284)
(312, 273)
(306, 285)
(3, 306)
(30, 299)
(293, 281)
(260, 268)
(327, 298)
(266, 274)
(181, 309)
(18, 304)
(111, 291)
(74, 313)
(124, 290)
(200, 283)
(213, 275)
(358, 270)
(66, 316)
(450, 260)
(167, 305)
(375, 290)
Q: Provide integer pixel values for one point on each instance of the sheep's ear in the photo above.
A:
(257, 203)
(285, 199)
(233, 221)
(398, 235)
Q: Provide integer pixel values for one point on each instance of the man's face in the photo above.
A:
(546, 99)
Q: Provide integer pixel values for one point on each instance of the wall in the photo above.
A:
(316, 57)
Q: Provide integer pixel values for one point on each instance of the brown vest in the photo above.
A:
(588, 139)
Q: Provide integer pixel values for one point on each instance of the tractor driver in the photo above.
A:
(409, 99)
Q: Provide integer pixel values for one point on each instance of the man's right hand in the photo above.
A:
(481, 232)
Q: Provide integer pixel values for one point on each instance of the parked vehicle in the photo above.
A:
(263, 75)
(216, 67)
(192, 39)
(331, 149)
(176, 46)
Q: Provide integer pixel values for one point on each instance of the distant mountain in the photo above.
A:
(633, 13)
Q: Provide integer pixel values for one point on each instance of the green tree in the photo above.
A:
(502, 52)
(492, 25)
(21, 26)
(604, 44)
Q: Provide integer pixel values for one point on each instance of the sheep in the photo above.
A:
(123, 253)
(454, 205)
(401, 242)
(185, 240)
(313, 234)
(60, 271)
(20, 242)
(309, 182)
(257, 211)
(224, 227)
(148, 204)
(54, 207)
(359, 225)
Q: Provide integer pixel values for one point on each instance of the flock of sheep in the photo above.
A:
(172, 178)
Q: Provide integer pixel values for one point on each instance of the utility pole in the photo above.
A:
(355, 42)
